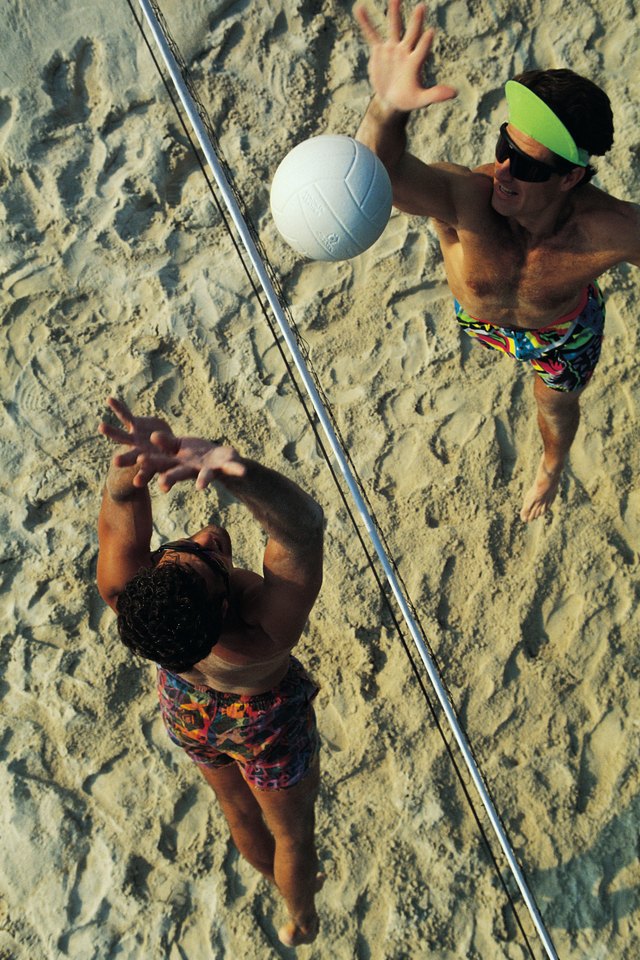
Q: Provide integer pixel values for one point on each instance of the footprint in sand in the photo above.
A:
(41, 379)
(333, 729)
(72, 84)
(7, 119)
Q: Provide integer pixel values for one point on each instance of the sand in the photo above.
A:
(118, 275)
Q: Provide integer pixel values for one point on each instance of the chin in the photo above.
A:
(503, 204)
(497, 205)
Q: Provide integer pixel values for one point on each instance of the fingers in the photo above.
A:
(121, 411)
(157, 462)
(395, 21)
(414, 28)
(233, 468)
(127, 459)
(367, 28)
(165, 442)
(114, 433)
(204, 478)
(423, 43)
(395, 24)
(168, 478)
(208, 474)
(144, 476)
(439, 93)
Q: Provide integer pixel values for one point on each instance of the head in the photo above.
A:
(583, 108)
(173, 612)
(557, 120)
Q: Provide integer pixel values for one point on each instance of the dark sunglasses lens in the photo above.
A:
(521, 167)
(531, 171)
(502, 148)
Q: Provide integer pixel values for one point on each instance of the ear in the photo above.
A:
(572, 179)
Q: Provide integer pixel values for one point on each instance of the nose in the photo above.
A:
(502, 169)
(215, 538)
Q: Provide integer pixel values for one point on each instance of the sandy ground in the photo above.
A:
(118, 275)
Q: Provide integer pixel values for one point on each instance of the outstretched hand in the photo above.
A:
(187, 458)
(135, 433)
(396, 64)
(154, 449)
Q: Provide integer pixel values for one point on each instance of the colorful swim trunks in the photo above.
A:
(564, 354)
(272, 736)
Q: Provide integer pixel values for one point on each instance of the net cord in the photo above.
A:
(199, 125)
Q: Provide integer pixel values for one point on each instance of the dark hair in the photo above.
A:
(167, 615)
(582, 106)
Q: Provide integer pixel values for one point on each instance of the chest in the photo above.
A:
(496, 267)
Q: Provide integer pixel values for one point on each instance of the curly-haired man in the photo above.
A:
(231, 694)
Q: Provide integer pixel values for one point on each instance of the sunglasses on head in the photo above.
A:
(190, 546)
(521, 165)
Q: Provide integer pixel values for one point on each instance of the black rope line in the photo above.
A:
(311, 417)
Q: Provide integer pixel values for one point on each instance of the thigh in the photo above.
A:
(569, 368)
(232, 792)
(555, 402)
(287, 735)
(189, 716)
(290, 812)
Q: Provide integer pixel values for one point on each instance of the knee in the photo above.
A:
(294, 833)
(243, 817)
(558, 407)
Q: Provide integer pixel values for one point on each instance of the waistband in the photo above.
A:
(566, 319)
(294, 669)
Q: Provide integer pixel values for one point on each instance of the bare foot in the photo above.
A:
(541, 495)
(294, 934)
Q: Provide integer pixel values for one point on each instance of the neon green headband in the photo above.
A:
(531, 115)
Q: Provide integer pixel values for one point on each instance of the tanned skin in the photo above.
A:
(516, 254)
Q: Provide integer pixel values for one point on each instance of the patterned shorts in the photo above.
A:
(564, 354)
(272, 736)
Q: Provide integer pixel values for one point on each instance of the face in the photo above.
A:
(215, 540)
(210, 555)
(512, 196)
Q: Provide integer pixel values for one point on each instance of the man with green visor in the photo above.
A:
(523, 238)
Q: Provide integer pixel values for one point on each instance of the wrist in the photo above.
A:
(385, 112)
(119, 483)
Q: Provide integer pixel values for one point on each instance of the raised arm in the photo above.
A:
(280, 601)
(125, 522)
(293, 521)
(395, 71)
(633, 230)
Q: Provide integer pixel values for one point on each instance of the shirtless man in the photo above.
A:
(231, 695)
(523, 238)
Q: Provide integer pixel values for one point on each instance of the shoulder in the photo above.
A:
(613, 223)
(471, 188)
(246, 587)
(470, 192)
(477, 181)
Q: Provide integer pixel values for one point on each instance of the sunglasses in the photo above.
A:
(190, 546)
(521, 165)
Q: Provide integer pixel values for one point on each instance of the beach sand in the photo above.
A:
(118, 275)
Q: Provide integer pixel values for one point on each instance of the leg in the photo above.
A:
(558, 419)
(246, 824)
(291, 819)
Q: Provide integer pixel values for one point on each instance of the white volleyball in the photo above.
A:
(331, 198)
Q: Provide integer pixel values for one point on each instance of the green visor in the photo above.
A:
(531, 115)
